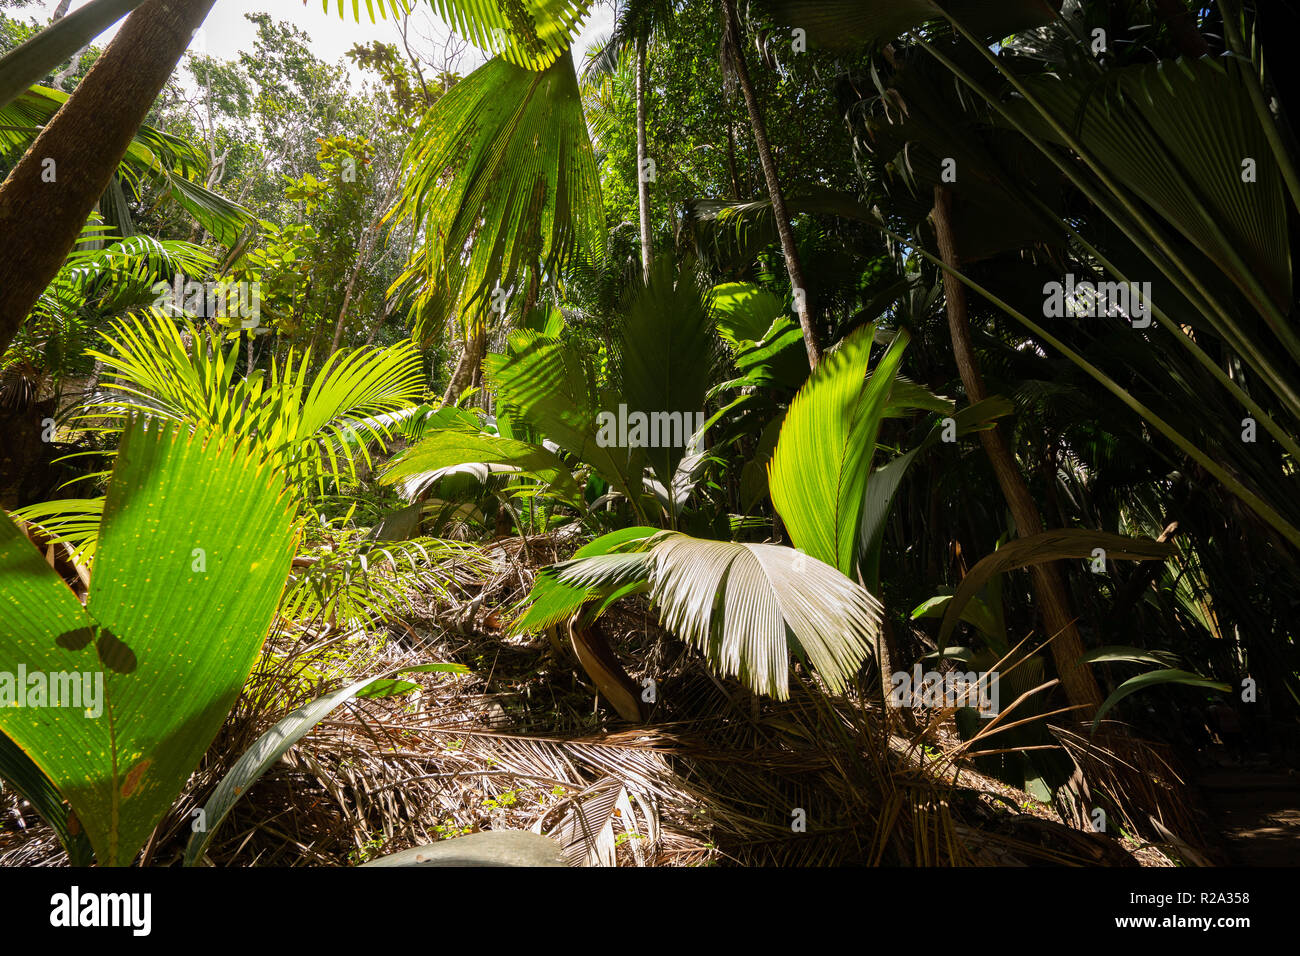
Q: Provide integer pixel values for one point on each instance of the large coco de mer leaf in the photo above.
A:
(819, 472)
(743, 605)
(196, 543)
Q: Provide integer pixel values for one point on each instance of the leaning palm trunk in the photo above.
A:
(731, 27)
(49, 194)
(643, 185)
(1067, 646)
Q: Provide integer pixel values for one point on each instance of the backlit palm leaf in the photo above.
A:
(528, 33)
(314, 426)
(502, 181)
(666, 356)
(819, 471)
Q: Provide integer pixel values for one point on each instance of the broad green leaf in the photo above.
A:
(666, 359)
(442, 450)
(819, 471)
(193, 554)
(610, 565)
(743, 312)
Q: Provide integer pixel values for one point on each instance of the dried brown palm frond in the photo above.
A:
(717, 776)
(1130, 773)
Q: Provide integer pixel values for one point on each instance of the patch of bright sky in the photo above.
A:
(227, 31)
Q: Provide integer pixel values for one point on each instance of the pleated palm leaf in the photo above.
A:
(197, 539)
(666, 355)
(1183, 177)
(502, 182)
(315, 425)
(745, 606)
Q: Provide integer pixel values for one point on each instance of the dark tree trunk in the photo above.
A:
(41, 219)
(779, 212)
(1049, 587)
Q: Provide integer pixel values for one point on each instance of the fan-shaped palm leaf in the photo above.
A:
(743, 605)
(666, 357)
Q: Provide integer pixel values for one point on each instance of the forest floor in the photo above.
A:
(715, 776)
(1256, 814)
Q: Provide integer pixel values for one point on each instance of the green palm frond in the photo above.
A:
(356, 581)
(666, 357)
(73, 521)
(1196, 117)
(153, 157)
(398, 8)
(819, 471)
(551, 389)
(502, 181)
(442, 451)
(529, 33)
(315, 426)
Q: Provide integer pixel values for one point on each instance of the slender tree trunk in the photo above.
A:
(642, 186)
(467, 369)
(1049, 586)
(731, 154)
(779, 212)
(46, 198)
(362, 254)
